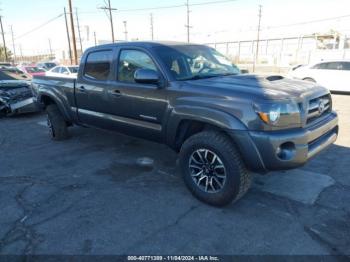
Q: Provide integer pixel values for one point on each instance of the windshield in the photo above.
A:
(34, 70)
(73, 69)
(194, 62)
(50, 65)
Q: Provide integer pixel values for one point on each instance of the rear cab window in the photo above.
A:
(98, 65)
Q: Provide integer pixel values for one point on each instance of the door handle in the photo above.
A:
(82, 88)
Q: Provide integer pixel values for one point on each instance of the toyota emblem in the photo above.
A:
(321, 107)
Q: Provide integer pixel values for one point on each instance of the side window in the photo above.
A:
(56, 70)
(98, 65)
(130, 61)
(334, 66)
(64, 70)
(346, 66)
(321, 66)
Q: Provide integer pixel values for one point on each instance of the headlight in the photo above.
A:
(279, 114)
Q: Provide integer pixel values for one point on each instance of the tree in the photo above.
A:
(2, 54)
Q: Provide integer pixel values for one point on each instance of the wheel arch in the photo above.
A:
(185, 122)
(47, 99)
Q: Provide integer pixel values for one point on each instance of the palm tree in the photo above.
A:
(2, 54)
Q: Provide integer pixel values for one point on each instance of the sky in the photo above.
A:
(226, 21)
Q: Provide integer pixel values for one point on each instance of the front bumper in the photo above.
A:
(279, 150)
(28, 105)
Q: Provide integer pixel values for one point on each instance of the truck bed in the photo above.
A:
(60, 88)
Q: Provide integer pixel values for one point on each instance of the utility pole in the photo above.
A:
(3, 39)
(110, 9)
(50, 47)
(152, 28)
(20, 51)
(257, 41)
(188, 26)
(68, 37)
(73, 33)
(95, 38)
(13, 46)
(81, 45)
(125, 30)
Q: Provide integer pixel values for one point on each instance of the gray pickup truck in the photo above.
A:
(225, 125)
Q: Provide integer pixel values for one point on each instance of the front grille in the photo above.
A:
(318, 107)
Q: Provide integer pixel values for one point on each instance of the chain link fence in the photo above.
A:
(279, 54)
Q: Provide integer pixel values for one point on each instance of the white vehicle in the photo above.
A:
(334, 75)
(63, 71)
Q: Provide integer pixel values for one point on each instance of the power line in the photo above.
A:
(175, 6)
(163, 7)
(110, 9)
(308, 22)
(40, 26)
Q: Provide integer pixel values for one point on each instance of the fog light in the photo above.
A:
(286, 151)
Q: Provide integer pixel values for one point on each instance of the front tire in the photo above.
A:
(56, 123)
(212, 168)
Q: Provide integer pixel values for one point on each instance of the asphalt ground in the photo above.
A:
(93, 194)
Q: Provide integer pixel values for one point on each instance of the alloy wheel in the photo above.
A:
(207, 170)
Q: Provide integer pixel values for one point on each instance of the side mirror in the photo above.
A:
(146, 76)
(244, 71)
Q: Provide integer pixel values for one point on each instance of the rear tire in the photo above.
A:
(222, 173)
(56, 123)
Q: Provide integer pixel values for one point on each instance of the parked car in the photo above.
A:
(334, 75)
(225, 125)
(46, 65)
(33, 70)
(63, 71)
(16, 98)
(13, 73)
(4, 64)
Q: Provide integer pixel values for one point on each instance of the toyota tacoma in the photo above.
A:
(224, 125)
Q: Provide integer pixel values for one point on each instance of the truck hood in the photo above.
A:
(264, 87)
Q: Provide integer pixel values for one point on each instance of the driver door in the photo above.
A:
(139, 107)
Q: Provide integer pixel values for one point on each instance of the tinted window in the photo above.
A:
(34, 69)
(56, 70)
(333, 66)
(64, 70)
(320, 66)
(49, 65)
(98, 65)
(73, 69)
(345, 66)
(130, 61)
